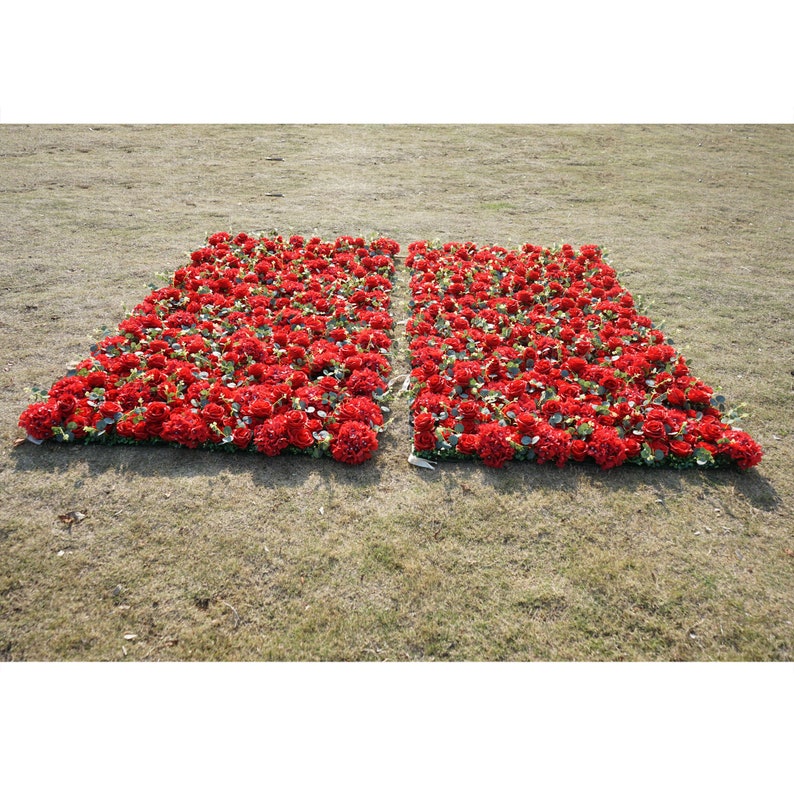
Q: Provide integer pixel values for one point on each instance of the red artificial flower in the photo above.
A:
(354, 443)
(606, 447)
(37, 420)
(253, 332)
(271, 436)
(241, 436)
(185, 428)
(742, 449)
(545, 343)
(494, 444)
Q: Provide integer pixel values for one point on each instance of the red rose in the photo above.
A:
(633, 447)
(141, 431)
(259, 409)
(128, 428)
(699, 394)
(359, 409)
(301, 438)
(611, 383)
(492, 340)
(424, 422)
(127, 362)
(66, 405)
(241, 436)
(527, 424)
(157, 411)
(424, 440)
(295, 419)
(109, 409)
(155, 414)
(96, 380)
(298, 379)
(514, 389)
(298, 433)
(543, 366)
(466, 371)
(77, 424)
(583, 346)
(469, 410)
(675, 396)
(213, 412)
(157, 361)
(578, 449)
(680, 449)
(653, 429)
(710, 429)
(467, 444)
(551, 407)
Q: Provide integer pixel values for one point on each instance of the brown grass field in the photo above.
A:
(204, 556)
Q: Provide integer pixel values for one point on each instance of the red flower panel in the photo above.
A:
(540, 354)
(259, 343)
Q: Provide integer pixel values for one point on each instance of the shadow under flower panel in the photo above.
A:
(540, 354)
(259, 343)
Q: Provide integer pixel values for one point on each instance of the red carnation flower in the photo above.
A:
(553, 446)
(37, 420)
(365, 382)
(271, 436)
(185, 428)
(606, 447)
(742, 449)
(493, 444)
(354, 443)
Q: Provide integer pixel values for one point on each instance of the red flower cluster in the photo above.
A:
(538, 354)
(258, 343)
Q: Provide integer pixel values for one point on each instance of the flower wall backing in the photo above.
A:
(268, 345)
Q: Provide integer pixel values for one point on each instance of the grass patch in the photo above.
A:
(204, 556)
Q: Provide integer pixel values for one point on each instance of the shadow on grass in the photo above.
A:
(163, 461)
(289, 470)
(517, 477)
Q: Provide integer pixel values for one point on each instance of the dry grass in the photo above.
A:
(207, 556)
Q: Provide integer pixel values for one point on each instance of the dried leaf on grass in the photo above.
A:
(73, 517)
